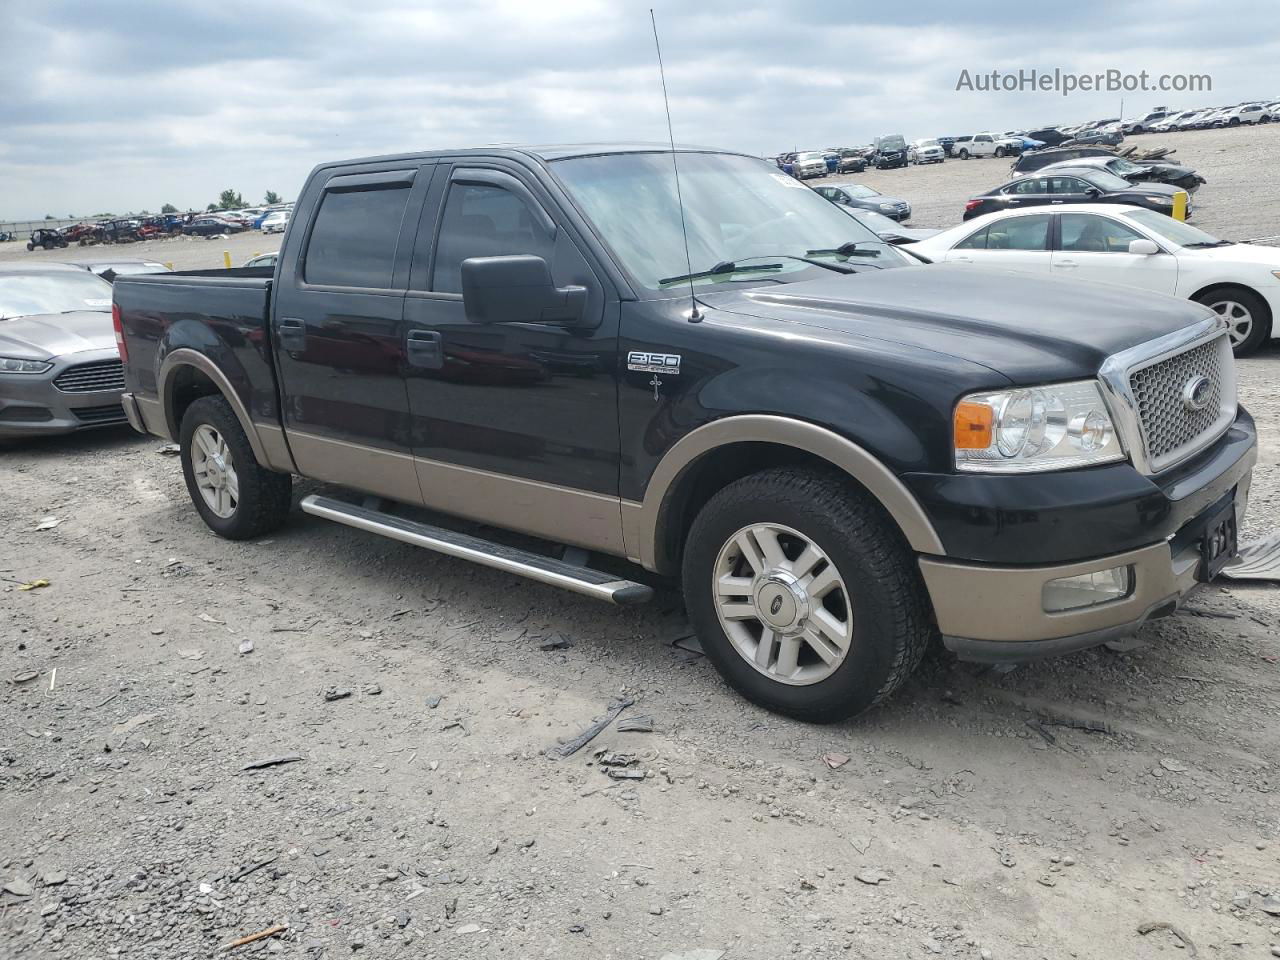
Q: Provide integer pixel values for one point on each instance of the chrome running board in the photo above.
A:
(557, 573)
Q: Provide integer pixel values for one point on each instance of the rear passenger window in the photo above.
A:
(481, 220)
(353, 242)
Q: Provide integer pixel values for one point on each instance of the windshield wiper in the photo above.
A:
(1206, 243)
(721, 269)
(849, 249)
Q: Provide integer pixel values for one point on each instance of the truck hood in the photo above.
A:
(1030, 329)
(42, 337)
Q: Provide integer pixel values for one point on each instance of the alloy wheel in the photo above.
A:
(215, 471)
(783, 604)
(1239, 319)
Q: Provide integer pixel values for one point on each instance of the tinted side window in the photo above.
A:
(975, 241)
(353, 242)
(481, 220)
(1067, 185)
(1032, 185)
(1086, 233)
(1020, 233)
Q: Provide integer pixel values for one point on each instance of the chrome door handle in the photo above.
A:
(1068, 264)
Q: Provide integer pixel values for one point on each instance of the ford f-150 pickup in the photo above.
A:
(841, 456)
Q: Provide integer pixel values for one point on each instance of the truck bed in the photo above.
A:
(220, 314)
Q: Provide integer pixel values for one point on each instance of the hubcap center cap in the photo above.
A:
(781, 602)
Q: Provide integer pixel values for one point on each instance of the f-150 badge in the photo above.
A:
(646, 362)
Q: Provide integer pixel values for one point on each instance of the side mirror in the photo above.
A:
(1143, 248)
(1092, 192)
(518, 289)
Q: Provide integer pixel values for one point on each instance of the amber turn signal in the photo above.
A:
(973, 424)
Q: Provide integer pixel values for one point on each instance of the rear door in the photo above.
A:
(338, 328)
(514, 423)
(1096, 247)
(1012, 243)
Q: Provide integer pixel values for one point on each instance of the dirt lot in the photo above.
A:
(423, 819)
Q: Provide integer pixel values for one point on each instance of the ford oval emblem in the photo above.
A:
(1196, 394)
(776, 605)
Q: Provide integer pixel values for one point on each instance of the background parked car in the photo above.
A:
(59, 367)
(808, 165)
(891, 152)
(1039, 159)
(1130, 246)
(859, 195)
(986, 145)
(210, 227)
(1145, 172)
(1143, 123)
(947, 144)
(262, 260)
(852, 161)
(275, 222)
(1244, 113)
(110, 269)
(1070, 184)
(886, 228)
(925, 151)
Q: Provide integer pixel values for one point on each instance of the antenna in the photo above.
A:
(694, 315)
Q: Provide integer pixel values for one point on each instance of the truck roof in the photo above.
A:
(544, 152)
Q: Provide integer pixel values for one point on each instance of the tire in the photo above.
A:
(260, 500)
(1233, 122)
(964, 154)
(1247, 313)
(885, 629)
(999, 152)
(30, 246)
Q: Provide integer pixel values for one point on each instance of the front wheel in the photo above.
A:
(235, 495)
(1247, 316)
(803, 595)
(964, 154)
(999, 152)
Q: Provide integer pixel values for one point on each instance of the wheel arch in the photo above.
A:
(717, 453)
(186, 375)
(1221, 286)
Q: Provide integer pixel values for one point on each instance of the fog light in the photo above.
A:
(1087, 590)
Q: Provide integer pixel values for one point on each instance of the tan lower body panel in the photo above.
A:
(1006, 603)
(370, 469)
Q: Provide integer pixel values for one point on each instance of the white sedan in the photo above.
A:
(1130, 246)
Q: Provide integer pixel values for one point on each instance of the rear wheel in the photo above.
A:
(1248, 320)
(236, 496)
(999, 151)
(804, 597)
(964, 154)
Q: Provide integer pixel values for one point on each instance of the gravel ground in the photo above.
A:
(1048, 812)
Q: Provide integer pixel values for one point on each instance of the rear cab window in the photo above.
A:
(354, 237)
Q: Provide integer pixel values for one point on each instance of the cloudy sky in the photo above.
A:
(125, 105)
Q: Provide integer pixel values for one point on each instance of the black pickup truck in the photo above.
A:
(842, 453)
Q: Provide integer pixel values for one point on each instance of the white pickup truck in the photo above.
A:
(986, 145)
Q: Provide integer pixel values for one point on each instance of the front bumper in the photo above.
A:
(996, 614)
(31, 406)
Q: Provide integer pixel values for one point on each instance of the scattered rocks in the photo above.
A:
(18, 887)
(337, 693)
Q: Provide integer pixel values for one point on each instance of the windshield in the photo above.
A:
(26, 295)
(859, 191)
(1121, 165)
(809, 156)
(1107, 181)
(926, 143)
(893, 143)
(1183, 234)
(735, 209)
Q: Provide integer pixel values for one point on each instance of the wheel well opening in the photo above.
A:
(1222, 288)
(189, 385)
(709, 474)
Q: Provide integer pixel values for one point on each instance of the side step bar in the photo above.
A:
(557, 573)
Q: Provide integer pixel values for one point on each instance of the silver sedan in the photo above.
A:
(59, 366)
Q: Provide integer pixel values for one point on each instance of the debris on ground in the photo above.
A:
(272, 761)
(570, 747)
(607, 758)
(26, 676)
(635, 725)
(169, 450)
(18, 887)
(245, 871)
(699, 954)
(433, 701)
(1151, 927)
(371, 689)
(34, 584)
(559, 642)
(48, 523)
(120, 732)
(337, 693)
(260, 935)
(835, 760)
(871, 877)
(246, 646)
(616, 773)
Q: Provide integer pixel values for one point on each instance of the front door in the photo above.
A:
(1012, 243)
(1095, 247)
(338, 327)
(514, 423)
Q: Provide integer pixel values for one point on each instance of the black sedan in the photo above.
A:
(1068, 184)
(857, 195)
(1174, 174)
(209, 227)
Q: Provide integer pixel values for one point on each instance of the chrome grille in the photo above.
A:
(91, 377)
(1170, 429)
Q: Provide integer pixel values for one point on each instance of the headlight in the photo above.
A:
(889, 207)
(1033, 429)
(1276, 274)
(1161, 199)
(14, 365)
